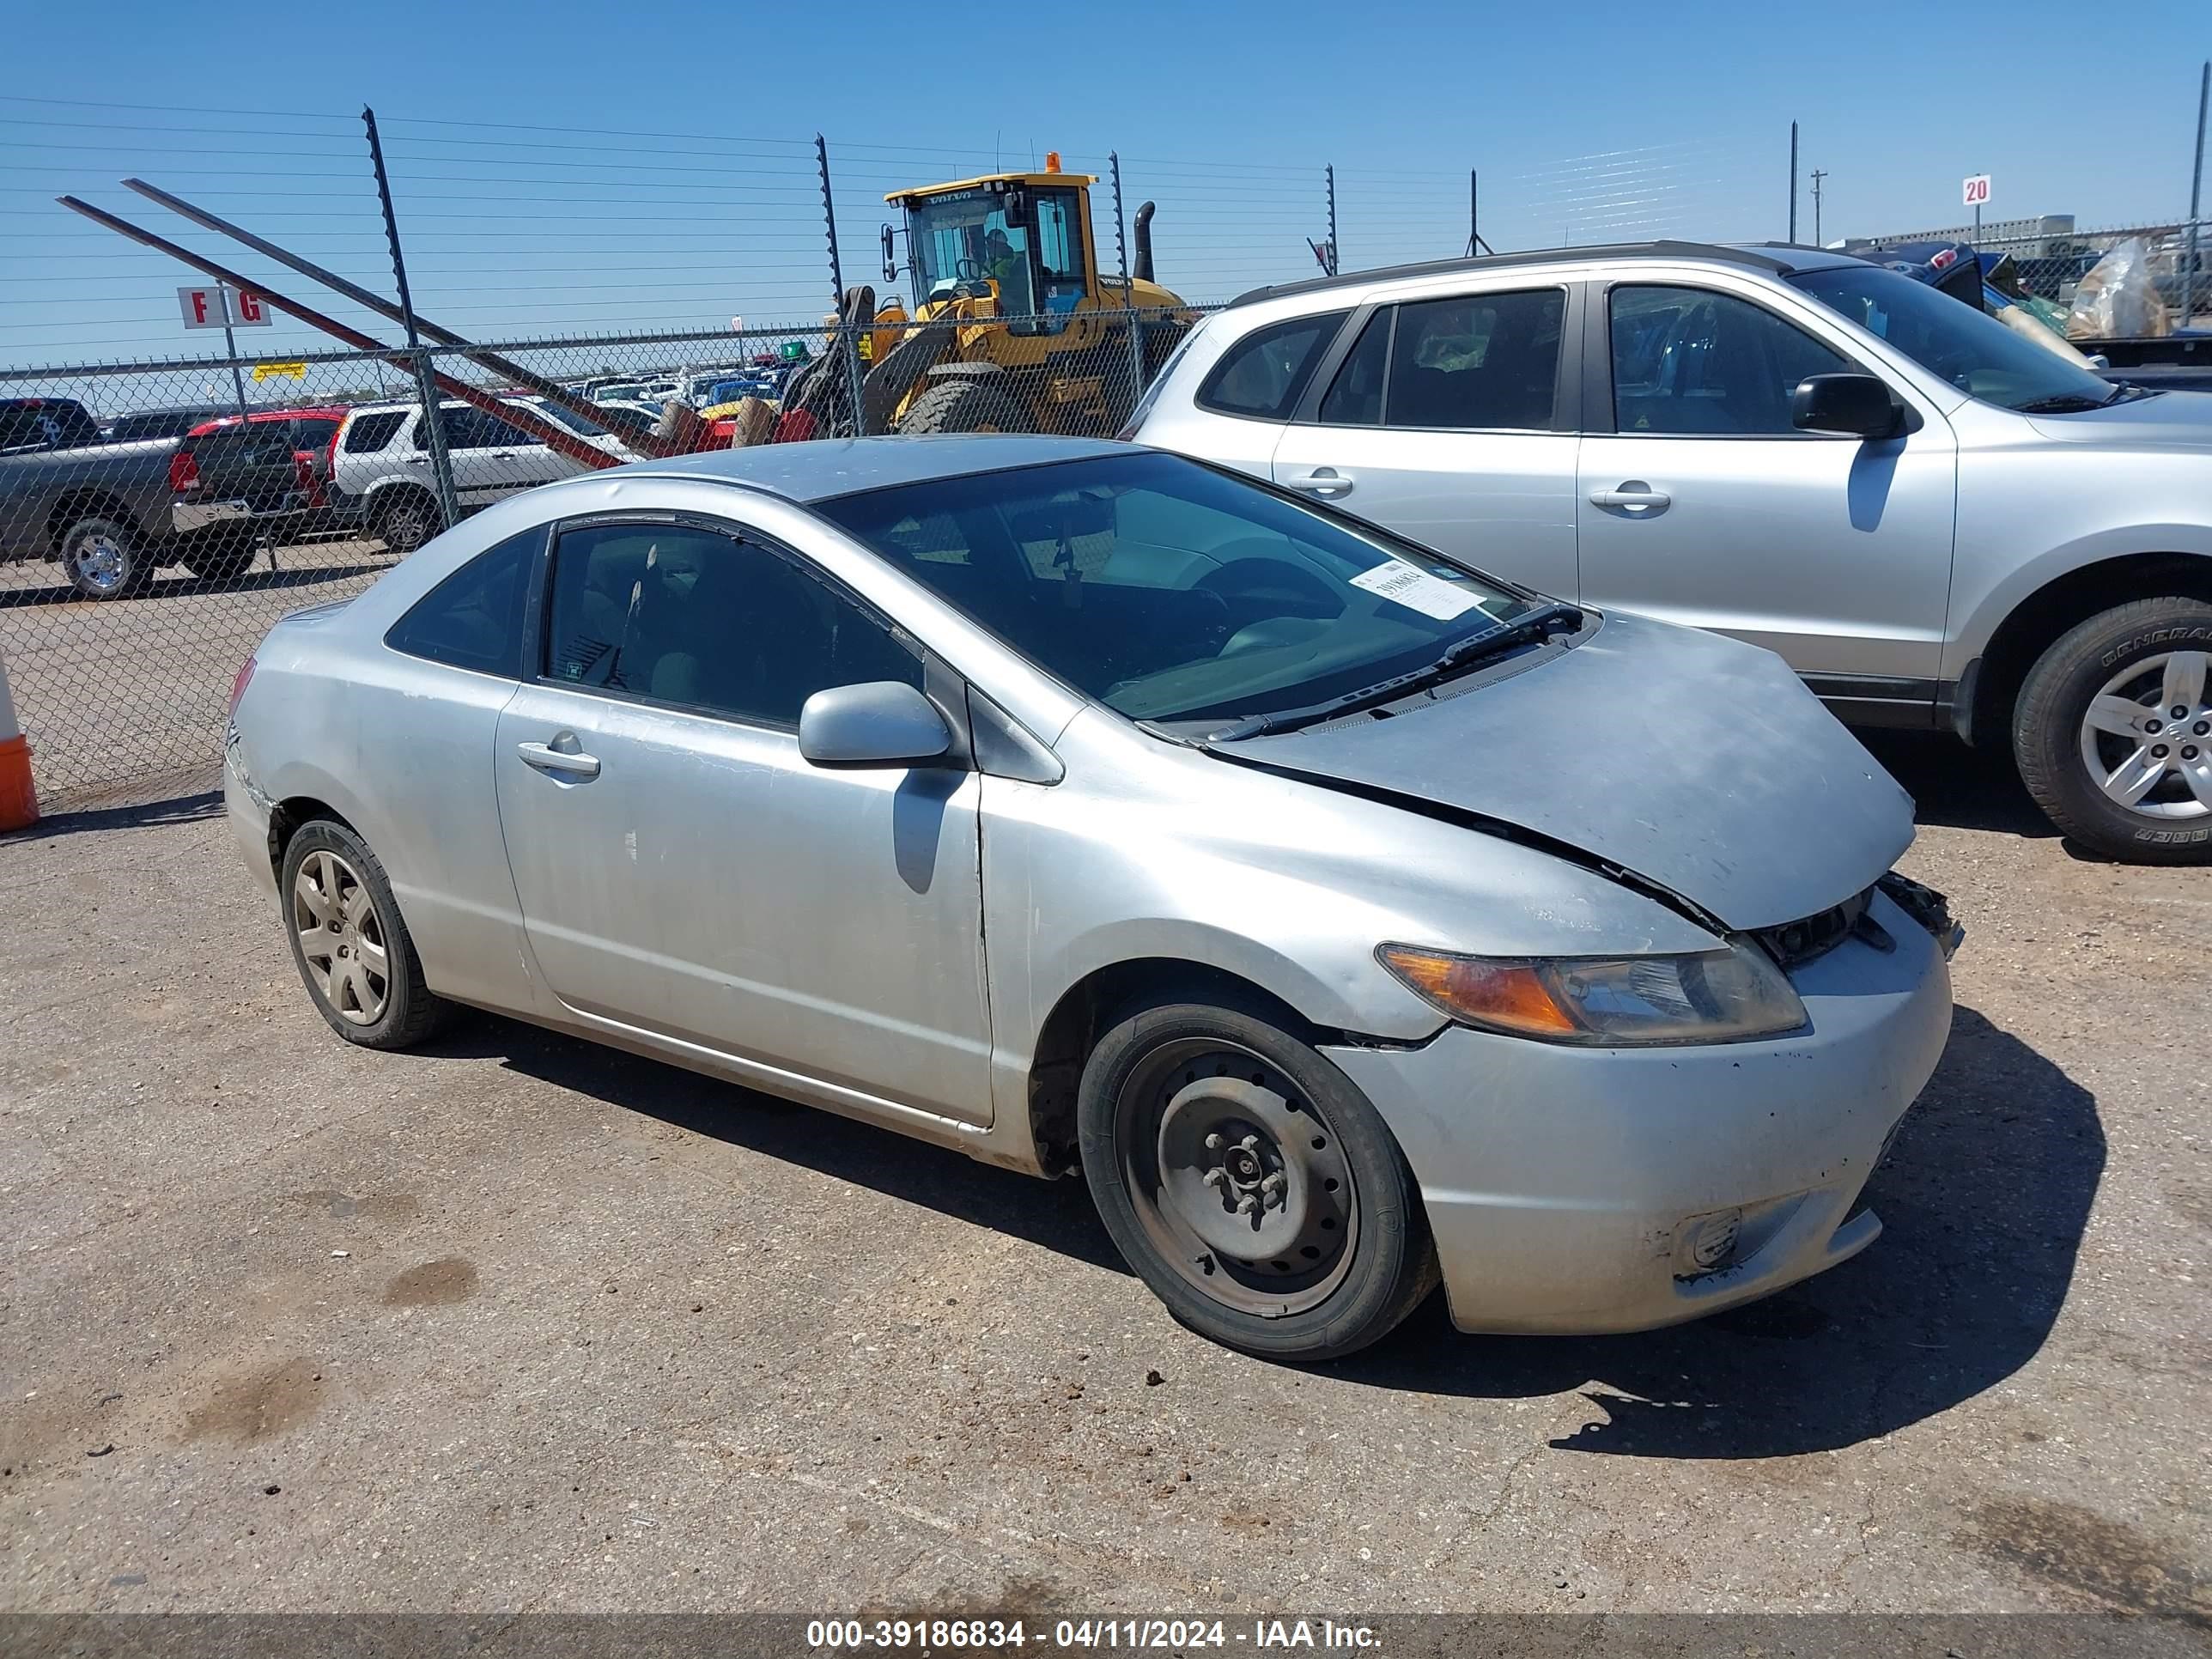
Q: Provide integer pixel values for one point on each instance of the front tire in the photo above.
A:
(966, 404)
(2113, 731)
(102, 558)
(1250, 1184)
(352, 948)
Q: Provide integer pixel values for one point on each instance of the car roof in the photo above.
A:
(1776, 257)
(824, 468)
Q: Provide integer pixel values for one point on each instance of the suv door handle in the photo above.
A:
(547, 758)
(1635, 494)
(1322, 480)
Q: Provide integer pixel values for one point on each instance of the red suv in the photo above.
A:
(240, 480)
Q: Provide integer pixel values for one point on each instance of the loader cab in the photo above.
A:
(1024, 237)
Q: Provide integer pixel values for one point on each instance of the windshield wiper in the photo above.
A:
(2067, 403)
(1460, 653)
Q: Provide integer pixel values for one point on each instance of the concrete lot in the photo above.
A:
(524, 1324)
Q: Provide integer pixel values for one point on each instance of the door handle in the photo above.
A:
(1634, 494)
(547, 758)
(1324, 481)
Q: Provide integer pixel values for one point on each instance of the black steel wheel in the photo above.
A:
(1250, 1184)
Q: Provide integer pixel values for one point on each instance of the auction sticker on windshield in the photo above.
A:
(1404, 584)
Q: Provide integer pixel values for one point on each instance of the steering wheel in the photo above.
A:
(967, 269)
(1303, 592)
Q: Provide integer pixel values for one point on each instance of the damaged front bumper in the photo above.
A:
(1582, 1190)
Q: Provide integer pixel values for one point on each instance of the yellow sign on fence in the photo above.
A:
(280, 371)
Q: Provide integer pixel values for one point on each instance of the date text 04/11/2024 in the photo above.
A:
(943, 1635)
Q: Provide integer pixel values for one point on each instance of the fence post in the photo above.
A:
(1328, 175)
(1129, 286)
(1793, 183)
(847, 334)
(434, 420)
(2196, 200)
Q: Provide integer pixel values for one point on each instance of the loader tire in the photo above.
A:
(967, 405)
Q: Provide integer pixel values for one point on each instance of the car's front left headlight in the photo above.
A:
(1713, 996)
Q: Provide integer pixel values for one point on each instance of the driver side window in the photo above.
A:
(1692, 362)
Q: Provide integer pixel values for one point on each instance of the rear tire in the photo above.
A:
(102, 558)
(2082, 750)
(214, 557)
(405, 518)
(349, 943)
(1188, 1112)
(967, 404)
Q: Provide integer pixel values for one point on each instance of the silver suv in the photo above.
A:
(1935, 520)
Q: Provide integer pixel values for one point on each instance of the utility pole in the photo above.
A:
(1818, 174)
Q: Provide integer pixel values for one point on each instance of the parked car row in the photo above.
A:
(204, 490)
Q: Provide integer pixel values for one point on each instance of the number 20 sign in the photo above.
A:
(1977, 190)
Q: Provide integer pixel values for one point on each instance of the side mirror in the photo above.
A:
(890, 256)
(1859, 405)
(884, 723)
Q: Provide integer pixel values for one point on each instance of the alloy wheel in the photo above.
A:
(2146, 737)
(99, 560)
(341, 937)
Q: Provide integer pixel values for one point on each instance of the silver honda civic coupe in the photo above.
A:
(1349, 918)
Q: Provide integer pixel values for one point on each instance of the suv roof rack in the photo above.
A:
(1740, 256)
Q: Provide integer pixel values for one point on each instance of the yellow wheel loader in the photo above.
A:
(1014, 327)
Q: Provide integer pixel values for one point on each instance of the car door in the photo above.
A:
(684, 873)
(1450, 421)
(473, 440)
(1701, 504)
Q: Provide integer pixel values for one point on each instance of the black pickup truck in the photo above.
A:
(102, 510)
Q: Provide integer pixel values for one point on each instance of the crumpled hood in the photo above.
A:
(2170, 420)
(1698, 762)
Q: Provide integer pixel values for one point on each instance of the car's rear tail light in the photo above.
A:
(243, 678)
(184, 472)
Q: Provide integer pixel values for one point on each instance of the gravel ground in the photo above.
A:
(523, 1323)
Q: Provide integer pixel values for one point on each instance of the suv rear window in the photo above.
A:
(370, 433)
(1263, 375)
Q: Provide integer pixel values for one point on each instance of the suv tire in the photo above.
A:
(404, 518)
(2083, 753)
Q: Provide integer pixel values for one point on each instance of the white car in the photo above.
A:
(380, 470)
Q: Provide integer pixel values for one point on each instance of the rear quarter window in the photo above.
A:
(473, 619)
(371, 433)
(1263, 375)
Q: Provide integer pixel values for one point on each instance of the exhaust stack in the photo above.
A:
(1143, 269)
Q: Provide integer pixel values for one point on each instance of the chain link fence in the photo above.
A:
(2047, 257)
(156, 519)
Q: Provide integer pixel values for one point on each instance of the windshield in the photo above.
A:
(1169, 592)
(560, 416)
(965, 238)
(1975, 352)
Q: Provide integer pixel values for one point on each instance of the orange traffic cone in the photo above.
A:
(19, 801)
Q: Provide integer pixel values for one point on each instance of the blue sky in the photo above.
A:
(565, 169)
